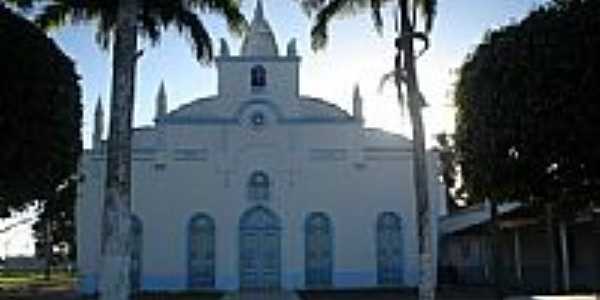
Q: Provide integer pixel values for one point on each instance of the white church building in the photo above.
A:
(261, 187)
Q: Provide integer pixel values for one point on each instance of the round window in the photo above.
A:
(257, 119)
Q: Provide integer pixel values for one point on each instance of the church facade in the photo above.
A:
(260, 187)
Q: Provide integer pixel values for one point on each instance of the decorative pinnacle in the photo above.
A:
(258, 10)
(98, 124)
(161, 101)
(357, 95)
(99, 108)
(357, 103)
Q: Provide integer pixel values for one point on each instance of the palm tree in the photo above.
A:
(124, 20)
(405, 78)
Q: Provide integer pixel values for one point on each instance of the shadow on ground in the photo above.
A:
(371, 294)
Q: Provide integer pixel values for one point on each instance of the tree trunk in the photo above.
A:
(518, 258)
(551, 249)
(415, 101)
(564, 252)
(116, 221)
(48, 238)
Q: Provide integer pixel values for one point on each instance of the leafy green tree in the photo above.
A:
(40, 115)
(528, 119)
(405, 78)
(124, 20)
(447, 154)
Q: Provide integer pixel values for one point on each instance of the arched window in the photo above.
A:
(318, 250)
(201, 252)
(136, 237)
(258, 78)
(258, 186)
(389, 249)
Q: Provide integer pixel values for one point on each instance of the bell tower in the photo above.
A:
(259, 71)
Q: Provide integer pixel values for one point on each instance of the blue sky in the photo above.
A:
(356, 54)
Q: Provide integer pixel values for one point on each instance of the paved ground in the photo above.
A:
(455, 294)
(261, 295)
(542, 297)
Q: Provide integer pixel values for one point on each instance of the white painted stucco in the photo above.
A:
(198, 159)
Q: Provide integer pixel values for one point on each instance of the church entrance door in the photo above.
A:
(260, 249)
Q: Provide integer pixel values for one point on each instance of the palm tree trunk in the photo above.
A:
(48, 237)
(426, 280)
(116, 222)
(564, 253)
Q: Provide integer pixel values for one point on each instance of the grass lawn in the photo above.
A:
(31, 285)
(13, 281)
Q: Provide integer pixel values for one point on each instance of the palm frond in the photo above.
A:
(428, 10)
(57, 13)
(21, 4)
(333, 9)
(329, 9)
(419, 36)
(107, 20)
(376, 15)
(182, 14)
(310, 6)
(189, 23)
(385, 78)
(150, 28)
(399, 77)
(228, 9)
(319, 32)
(154, 16)
(54, 15)
(104, 33)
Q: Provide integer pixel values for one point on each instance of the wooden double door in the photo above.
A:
(260, 250)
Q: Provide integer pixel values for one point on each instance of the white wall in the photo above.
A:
(199, 159)
(234, 78)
